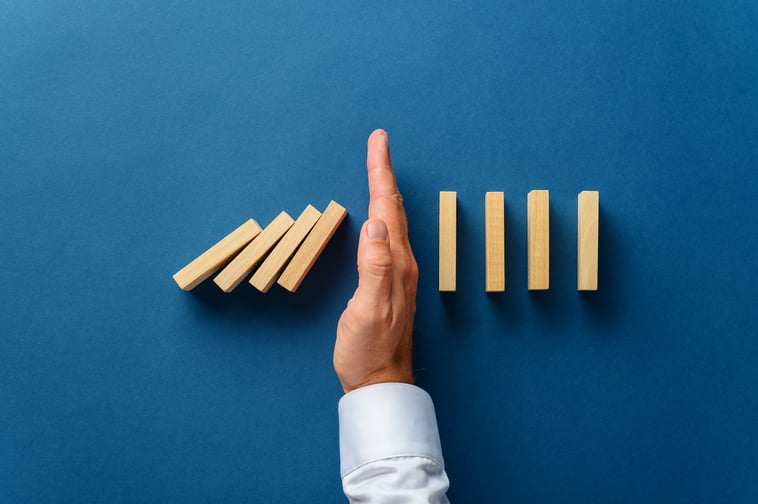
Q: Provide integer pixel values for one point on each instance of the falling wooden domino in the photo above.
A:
(587, 240)
(538, 237)
(215, 257)
(268, 272)
(494, 224)
(312, 246)
(447, 243)
(242, 265)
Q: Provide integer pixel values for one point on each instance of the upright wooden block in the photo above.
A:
(538, 231)
(494, 225)
(215, 257)
(448, 240)
(268, 272)
(314, 244)
(587, 240)
(242, 265)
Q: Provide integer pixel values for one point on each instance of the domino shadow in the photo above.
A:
(323, 286)
(604, 305)
(456, 313)
(550, 304)
(506, 306)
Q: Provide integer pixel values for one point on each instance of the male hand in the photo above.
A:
(375, 333)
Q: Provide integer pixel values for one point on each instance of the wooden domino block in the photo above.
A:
(494, 224)
(268, 272)
(447, 240)
(215, 257)
(587, 240)
(242, 265)
(312, 246)
(538, 237)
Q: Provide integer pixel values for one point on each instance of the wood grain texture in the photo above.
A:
(588, 232)
(448, 222)
(494, 237)
(268, 272)
(215, 257)
(242, 265)
(312, 246)
(538, 237)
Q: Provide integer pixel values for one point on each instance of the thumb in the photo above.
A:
(374, 263)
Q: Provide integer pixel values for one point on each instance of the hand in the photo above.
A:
(375, 333)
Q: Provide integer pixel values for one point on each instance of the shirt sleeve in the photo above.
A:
(390, 449)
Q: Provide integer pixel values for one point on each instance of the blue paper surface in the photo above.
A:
(133, 135)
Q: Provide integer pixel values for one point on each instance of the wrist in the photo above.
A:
(376, 378)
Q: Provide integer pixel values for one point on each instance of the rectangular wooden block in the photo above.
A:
(448, 240)
(587, 240)
(538, 237)
(268, 272)
(215, 257)
(494, 225)
(312, 246)
(242, 265)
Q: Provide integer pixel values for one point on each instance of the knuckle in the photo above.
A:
(379, 268)
(414, 270)
(368, 316)
(410, 271)
(382, 316)
(393, 197)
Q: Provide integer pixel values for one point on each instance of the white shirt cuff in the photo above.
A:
(387, 420)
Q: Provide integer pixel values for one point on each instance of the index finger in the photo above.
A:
(385, 202)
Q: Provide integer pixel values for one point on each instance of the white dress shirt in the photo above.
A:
(390, 449)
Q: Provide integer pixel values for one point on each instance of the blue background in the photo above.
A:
(135, 134)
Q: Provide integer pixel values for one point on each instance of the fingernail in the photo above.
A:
(377, 230)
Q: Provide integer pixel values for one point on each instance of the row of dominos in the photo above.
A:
(538, 238)
(283, 252)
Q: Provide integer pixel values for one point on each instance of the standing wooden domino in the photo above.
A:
(215, 257)
(314, 244)
(242, 265)
(494, 224)
(587, 240)
(447, 244)
(269, 271)
(538, 237)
